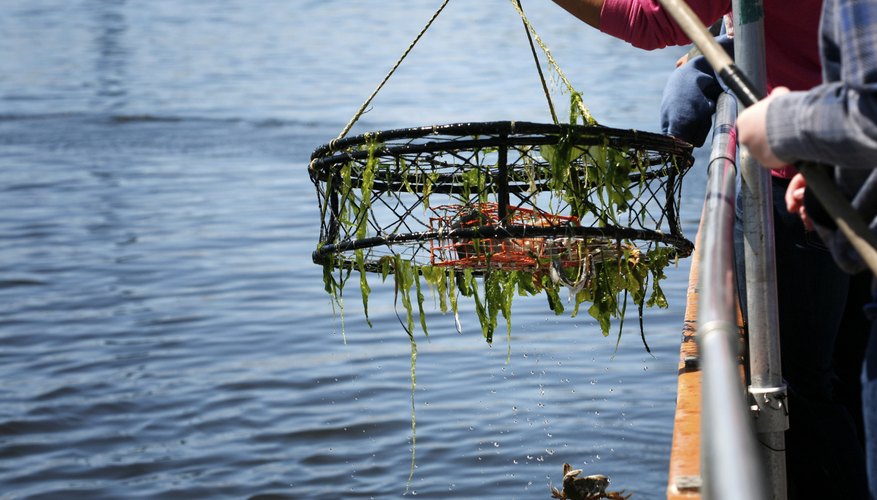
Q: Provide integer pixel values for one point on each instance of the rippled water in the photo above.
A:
(163, 330)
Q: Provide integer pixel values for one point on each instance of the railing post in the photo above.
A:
(766, 386)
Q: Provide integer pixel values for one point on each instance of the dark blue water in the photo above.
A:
(163, 332)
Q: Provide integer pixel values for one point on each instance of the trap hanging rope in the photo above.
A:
(530, 207)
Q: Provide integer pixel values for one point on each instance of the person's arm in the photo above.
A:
(586, 10)
(836, 122)
(642, 23)
(833, 123)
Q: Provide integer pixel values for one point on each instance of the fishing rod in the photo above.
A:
(818, 181)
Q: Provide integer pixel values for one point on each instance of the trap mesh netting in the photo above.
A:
(500, 196)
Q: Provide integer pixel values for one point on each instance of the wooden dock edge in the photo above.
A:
(685, 481)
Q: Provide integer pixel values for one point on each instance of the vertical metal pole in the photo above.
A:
(766, 386)
(502, 181)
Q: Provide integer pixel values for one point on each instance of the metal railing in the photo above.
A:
(731, 466)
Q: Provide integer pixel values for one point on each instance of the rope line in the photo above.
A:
(384, 81)
(586, 115)
(539, 70)
(531, 35)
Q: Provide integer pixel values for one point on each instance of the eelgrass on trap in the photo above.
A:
(529, 208)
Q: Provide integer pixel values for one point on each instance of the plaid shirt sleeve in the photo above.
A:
(836, 122)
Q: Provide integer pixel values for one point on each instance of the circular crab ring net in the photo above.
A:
(507, 195)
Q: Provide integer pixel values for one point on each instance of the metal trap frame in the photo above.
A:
(487, 188)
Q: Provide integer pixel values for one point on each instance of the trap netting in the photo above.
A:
(500, 195)
(532, 208)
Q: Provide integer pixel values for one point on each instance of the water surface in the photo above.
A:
(164, 333)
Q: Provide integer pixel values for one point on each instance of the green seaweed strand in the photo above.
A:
(368, 180)
(413, 345)
(403, 280)
(335, 289)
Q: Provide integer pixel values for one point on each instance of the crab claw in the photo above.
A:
(572, 473)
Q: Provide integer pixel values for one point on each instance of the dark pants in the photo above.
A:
(689, 98)
(850, 347)
(869, 398)
(822, 445)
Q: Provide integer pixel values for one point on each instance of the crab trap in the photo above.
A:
(529, 207)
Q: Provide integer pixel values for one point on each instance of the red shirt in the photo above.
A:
(791, 35)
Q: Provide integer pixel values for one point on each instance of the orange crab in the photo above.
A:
(585, 488)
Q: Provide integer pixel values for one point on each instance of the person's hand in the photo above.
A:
(795, 199)
(752, 130)
(728, 19)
